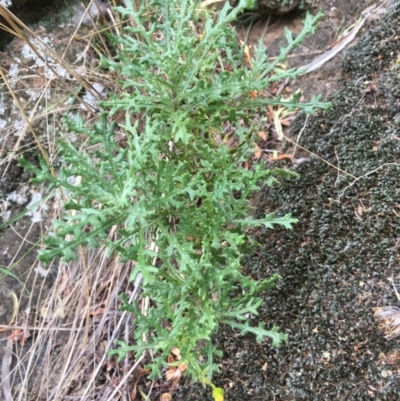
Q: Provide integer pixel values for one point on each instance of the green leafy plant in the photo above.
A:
(172, 185)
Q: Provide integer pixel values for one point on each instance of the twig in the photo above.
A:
(43, 329)
(395, 289)
(297, 55)
(299, 136)
(366, 175)
(323, 58)
(5, 371)
(125, 378)
(110, 344)
(322, 159)
(338, 162)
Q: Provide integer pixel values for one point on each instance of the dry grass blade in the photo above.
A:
(27, 120)
(44, 52)
(209, 2)
(75, 322)
(5, 371)
(58, 361)
(108, 323)
(328, 55)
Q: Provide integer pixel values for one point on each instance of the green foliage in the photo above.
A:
(175, 191)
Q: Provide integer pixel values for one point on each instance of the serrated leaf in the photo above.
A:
(172, 192)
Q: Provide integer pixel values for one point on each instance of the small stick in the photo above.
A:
(394, 287)
(5, 371)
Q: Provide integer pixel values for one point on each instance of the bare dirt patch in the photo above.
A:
(339, 15)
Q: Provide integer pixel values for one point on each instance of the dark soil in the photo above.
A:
(28, 13)
(336, 261)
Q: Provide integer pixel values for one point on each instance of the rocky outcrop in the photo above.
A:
(18, 4)
(279, 7)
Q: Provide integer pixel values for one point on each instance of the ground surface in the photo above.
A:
(335, 263)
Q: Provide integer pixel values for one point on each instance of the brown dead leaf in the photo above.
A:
(98, 311)
(258, 152)
(175, 373)
(133, 392)
(176, 352)
(170, 373)
(254, 94)
(270, 112)
(278, 124)
(280, 157)
(111, 364)
(247, 56)
(63, 284)
(262, 135)
(182, 367)
(286, 123)
(19, 335)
